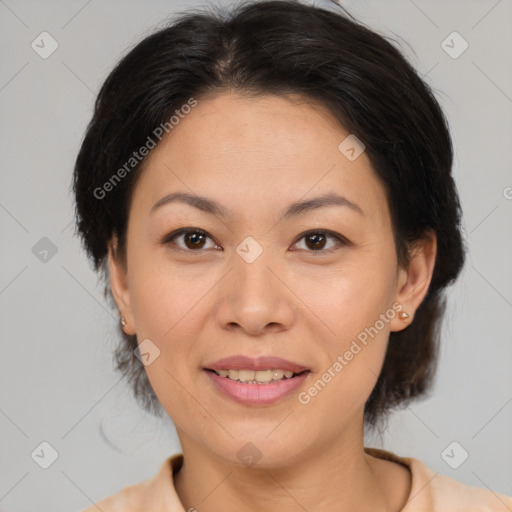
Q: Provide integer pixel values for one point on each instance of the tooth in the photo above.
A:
(277, 374)
(264, 375)
(244, 375)
(256, 377)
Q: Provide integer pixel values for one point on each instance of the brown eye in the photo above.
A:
(316, 241)
(193, 240)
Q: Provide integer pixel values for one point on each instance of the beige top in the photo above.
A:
(430, 492)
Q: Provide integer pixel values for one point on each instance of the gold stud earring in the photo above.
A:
(403, 315)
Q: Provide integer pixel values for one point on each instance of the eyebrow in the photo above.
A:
(212, 207)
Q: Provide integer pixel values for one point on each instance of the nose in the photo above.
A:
(255, 298)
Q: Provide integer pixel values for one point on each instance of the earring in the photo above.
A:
(122, 321)
(403, 315)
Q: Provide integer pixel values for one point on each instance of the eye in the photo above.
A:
(194, 240)
(317, 241)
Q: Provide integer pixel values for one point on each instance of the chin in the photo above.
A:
(259, 451)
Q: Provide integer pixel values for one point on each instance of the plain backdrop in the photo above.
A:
(57, 383)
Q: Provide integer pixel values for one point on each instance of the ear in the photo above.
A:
(413, 282)
(119, 284)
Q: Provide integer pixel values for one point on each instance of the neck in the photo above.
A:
(336, 476)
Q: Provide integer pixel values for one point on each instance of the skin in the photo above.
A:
(256, 156)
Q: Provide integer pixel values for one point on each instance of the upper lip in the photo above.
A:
(241, 362)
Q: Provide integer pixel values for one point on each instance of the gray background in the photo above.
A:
(56, 378)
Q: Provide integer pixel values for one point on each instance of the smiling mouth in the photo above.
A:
(259, 377)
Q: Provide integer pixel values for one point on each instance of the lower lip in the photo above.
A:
(256, 394)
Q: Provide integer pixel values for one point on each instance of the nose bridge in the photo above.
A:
(252, 262)
(256, 297)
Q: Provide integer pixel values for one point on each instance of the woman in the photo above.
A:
(269, 198)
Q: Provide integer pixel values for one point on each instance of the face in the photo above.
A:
(317, 287)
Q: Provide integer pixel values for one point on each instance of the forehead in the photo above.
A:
(258, 151)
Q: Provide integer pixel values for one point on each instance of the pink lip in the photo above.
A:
(241, 362)
(256, 394)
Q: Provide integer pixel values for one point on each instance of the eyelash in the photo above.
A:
(185, 231)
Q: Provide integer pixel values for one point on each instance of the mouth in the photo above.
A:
(255, 381)
(255, 388)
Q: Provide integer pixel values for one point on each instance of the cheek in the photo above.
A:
(164, 312)
(169, 308)
(355, 304)
(349, 298)
(164, 297)
(354, 360)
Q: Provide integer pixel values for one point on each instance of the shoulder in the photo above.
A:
(434, 492)
(128, 499)
(156, 493)
(450, 494)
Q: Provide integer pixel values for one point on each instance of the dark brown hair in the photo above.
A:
(285, 47)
